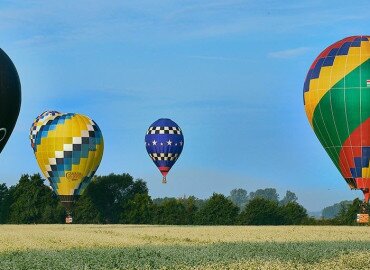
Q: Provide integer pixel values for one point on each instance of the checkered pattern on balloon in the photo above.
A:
(68, 148)
(164, 142)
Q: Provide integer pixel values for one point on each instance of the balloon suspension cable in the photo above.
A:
(164, 180)
(364, 207)
(69, 218)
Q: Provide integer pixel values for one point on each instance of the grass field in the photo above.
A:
(183, 247)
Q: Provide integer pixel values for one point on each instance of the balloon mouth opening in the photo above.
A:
(164, 171)
(68, 201)
(362, 184)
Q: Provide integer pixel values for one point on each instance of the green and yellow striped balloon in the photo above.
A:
(336, 97)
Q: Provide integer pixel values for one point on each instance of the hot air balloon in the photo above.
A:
(68, 148)
(336, 96)
(164, 142)
(38, 123)
(10, 98)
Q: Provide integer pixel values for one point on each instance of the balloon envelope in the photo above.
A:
(10, 98)
(39, 122)
(68, 148)
(337, 103)
(164, 142)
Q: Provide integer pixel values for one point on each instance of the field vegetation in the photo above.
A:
(175, 232)
(183, 247)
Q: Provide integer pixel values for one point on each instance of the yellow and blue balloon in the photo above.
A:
(68, 148)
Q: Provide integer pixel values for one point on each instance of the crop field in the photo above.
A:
(183, 247)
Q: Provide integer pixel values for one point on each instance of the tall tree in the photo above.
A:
(289, 197)
(217, 210)
(267, 193)
(33, 202)
(5, 202)
(239, 196)
(261, 211)
(171, 211)
(191, 207)
(110, 197)
(139, 210)
(159, 201)
(333, 210)
(348, 213)
(293, 213)
(85, 211)
(175, 211)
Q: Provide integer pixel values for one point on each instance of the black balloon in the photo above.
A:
(10, 97)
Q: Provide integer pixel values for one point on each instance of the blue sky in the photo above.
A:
(230, 73)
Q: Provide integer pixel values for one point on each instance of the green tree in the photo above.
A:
(33, 202)
(217, 210)
(5, 202)
(106, 194)
(267, 193)
(170, 211)
(175, 211)
(85, 211)
(239, 197)
(260, 211)
(110, 196)
(289, 197)
(191, 209)
(293, 213)
(139, 210)
(159, 201)
(348, 213)
(333, 210)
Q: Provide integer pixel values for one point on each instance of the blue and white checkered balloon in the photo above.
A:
(164, 142)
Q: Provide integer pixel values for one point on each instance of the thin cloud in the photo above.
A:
(290, 53)
(216, 58)
(57, 24)
(34, 40)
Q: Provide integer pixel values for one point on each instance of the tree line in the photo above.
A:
(120, 199)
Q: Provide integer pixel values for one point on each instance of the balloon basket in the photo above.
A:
(362, 218)
(164, 180)
(69, 219)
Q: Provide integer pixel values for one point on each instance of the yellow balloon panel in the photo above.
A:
(330, 75)
(69, 148)
(39, 122)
